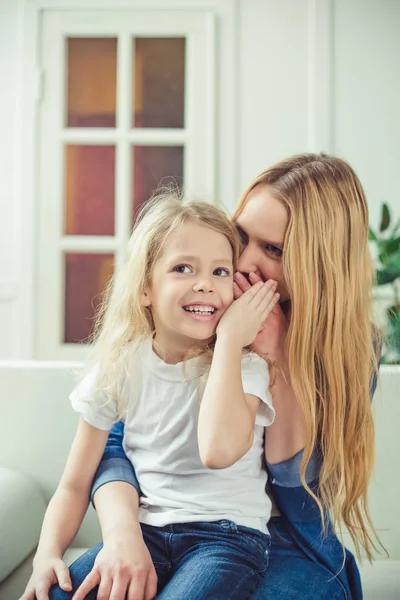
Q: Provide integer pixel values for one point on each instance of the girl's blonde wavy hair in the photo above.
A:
(122, 320)
(332, 336)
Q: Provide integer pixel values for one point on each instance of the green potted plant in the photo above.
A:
(387, 242)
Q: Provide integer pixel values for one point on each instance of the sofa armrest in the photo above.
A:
(22, 508)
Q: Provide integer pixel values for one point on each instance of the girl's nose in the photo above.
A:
(204, 286)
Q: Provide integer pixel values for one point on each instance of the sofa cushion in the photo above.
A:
(22, 508)
(381, 580)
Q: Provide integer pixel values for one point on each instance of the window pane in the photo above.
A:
(154, 166)
(92, 82)
(89, 190)
(86, 276)
(159, 82)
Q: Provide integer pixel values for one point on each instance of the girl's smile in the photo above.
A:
(201, 312)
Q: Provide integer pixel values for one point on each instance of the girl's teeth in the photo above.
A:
(207, 311)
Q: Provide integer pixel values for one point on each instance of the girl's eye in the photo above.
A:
(182, 269)
(273, 250)
(221, 272)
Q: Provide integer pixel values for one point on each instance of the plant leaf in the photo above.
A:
(372, 236)
(385, 218)
(388, 275)
(392, 246)
(396, 228)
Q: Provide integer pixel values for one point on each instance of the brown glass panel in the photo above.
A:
(155, 166)
(89, 190)
(86, 277)
(159, 82)
(91, 82)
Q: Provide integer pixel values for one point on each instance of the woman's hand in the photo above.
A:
(242, 321)
(47, 572)
(123, 570)
(270, 341)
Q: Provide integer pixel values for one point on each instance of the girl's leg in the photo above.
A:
(215, 560)
(78, 571)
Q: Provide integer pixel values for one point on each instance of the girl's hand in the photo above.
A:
(122, 570)
(270, 341)
(244, 318)
(47, 572)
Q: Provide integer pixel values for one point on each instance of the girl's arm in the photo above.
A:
(227, 415)
(228, 411)
(287, 435)
(124, 563)
(69, 504)
(65, 512)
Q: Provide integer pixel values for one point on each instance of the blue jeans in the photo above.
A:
(291, 574)
(204, 561)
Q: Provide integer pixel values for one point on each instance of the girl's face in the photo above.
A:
(262, 225)
(191, 287)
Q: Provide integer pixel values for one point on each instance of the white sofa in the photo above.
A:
(37, 426)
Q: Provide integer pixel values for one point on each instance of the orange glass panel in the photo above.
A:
(89, 190)
(86, 277)
(91, 81)
(159, 82)
(155, 166)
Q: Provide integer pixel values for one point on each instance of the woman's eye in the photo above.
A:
(182, 269)
(273, 250)
(243, 236)
(221, 272)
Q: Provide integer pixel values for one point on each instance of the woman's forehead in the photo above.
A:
(263, 216)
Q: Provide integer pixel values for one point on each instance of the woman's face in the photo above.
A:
(262, 225)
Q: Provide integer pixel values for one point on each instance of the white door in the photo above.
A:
(128, 103)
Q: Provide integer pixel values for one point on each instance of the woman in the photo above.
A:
(303, 223)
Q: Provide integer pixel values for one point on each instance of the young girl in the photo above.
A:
(194, 406)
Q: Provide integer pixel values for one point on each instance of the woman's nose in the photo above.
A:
(248, 261)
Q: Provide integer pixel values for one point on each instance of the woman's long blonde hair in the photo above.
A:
(332, 336)
(122, 320)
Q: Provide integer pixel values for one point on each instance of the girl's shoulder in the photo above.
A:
(252, 358)
(253, 363)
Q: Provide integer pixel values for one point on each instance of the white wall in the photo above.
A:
(8, 224)
(311, 75)
(278, 87)
(367, 95)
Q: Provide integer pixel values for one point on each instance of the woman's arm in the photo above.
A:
(114, 465)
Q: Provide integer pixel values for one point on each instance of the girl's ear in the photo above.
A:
(146, 299)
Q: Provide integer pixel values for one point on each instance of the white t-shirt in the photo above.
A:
(161, 442)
